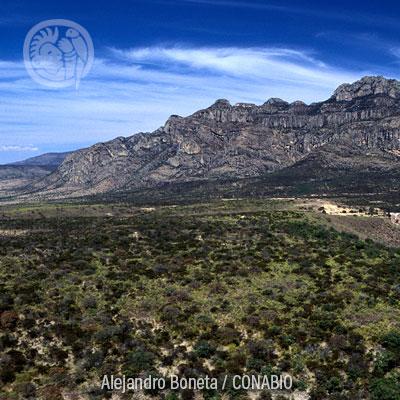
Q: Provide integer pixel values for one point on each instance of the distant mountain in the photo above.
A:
(15, 177)
(356, 129)
(47, 159)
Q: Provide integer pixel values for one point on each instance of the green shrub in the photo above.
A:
(386, 388)
(204, 349)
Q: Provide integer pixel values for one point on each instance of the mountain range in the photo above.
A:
(355, 131)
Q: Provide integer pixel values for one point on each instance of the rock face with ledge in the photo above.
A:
(361, 119)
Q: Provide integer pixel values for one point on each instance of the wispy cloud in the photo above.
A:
(385, 49)
(15, 20)
(395, 52)
(250, 64)
(328, 14)
(16, 148)
(238, 4)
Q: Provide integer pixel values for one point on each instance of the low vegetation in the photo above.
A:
(228, 287)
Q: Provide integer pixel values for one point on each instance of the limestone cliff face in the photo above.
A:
(241, 140)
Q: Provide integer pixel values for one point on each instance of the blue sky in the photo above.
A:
(154, 58)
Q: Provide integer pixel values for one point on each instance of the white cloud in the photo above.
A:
(277, 64)
(17, 148)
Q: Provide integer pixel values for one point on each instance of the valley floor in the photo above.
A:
(307, 288)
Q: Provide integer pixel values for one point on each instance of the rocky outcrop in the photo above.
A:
(368, 86)
(395, 218)
(242, 140)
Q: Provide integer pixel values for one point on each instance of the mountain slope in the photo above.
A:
(357, 128)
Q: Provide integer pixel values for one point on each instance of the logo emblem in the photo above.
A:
(58, 53)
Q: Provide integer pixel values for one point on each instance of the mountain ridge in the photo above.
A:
(240, 141)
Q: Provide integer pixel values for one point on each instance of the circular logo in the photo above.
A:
(58, 53)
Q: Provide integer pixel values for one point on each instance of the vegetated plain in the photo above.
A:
(223, 287)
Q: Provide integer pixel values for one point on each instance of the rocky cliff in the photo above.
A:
(358, 127)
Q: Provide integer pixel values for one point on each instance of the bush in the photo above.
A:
(139, 361)
(386, 388)
(204, 349)
(8, 319)
(392, 341)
